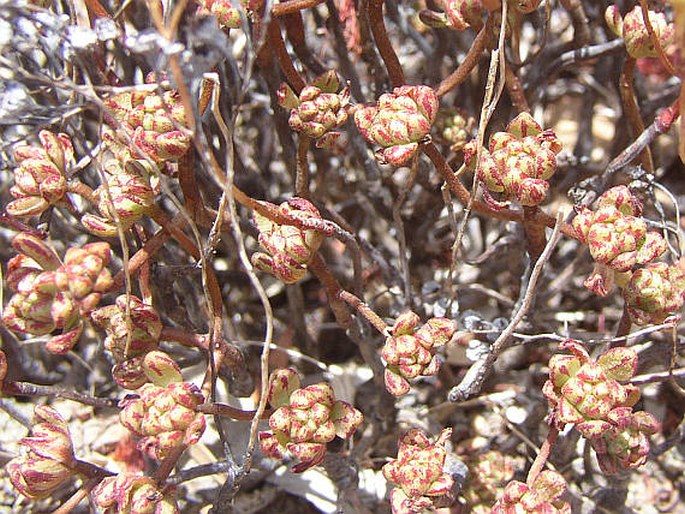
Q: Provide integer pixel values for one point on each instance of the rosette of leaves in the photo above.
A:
(162, 412)
(489, 472)
(305, 420)
(655, 292)
(40, 177)
(399, 122)
(133, 329)
(633, 30)
(517, 163)
(127, 493)
(49, 459)
(544, 495)
(591, 395)
(626, 444)
(290, 247)
(319, 109)
(418, 472)
(409, 351)
(128, 195)
(617, 238)
(153, 124)
(51, 296)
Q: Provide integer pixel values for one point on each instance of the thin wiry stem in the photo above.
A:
(475, 376)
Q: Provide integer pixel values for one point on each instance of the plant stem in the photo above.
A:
(365, 311)
(385, 49)
(467, 65)
(543, 454)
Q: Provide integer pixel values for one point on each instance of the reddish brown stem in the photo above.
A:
(84, 191)
(227, 411)
(543, 455)
(15, 224)
(168, 464)
(365, 311)
(515, 89)
(192, 198)
(632, 111)
(77, 497)
(185, 338)
(302, 177)
(535, 233)
(467, 65)
(90, 470)
(385, 49)
(283, 57)
(151, 247)
(293, 6)
(27, 389)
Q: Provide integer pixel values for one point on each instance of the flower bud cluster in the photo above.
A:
(319, 109)
(655, 292)
(49, 457)
(129, 338)
(52, 296)
(290, 247)
(418, 472)
(40, 178)
(398, 122)
(225, 12)
(634, 32)
(590, 394)
(128, 493)
(542, 496)
(153, 123)
(409, 351)
(455, 128)
(488, 474)
(163, 412)
(517, 163)
(128, 195)
(616, 234)
(305, 420)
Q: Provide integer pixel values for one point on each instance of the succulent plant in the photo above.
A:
(617, 236)
(655, 292)
(319, 109)
(489, 472)
(590, 394)
(52, 296)
(409, 351)
(153, 123)
(634, 32)
(398, 122)
(49, 456)
(305, 420)
(544, 495)
(163, 412)
(128, 493)
(128, 195)
(129, 339)
(517, 163)
(40, 178)
(418, 472)
(290, 247)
